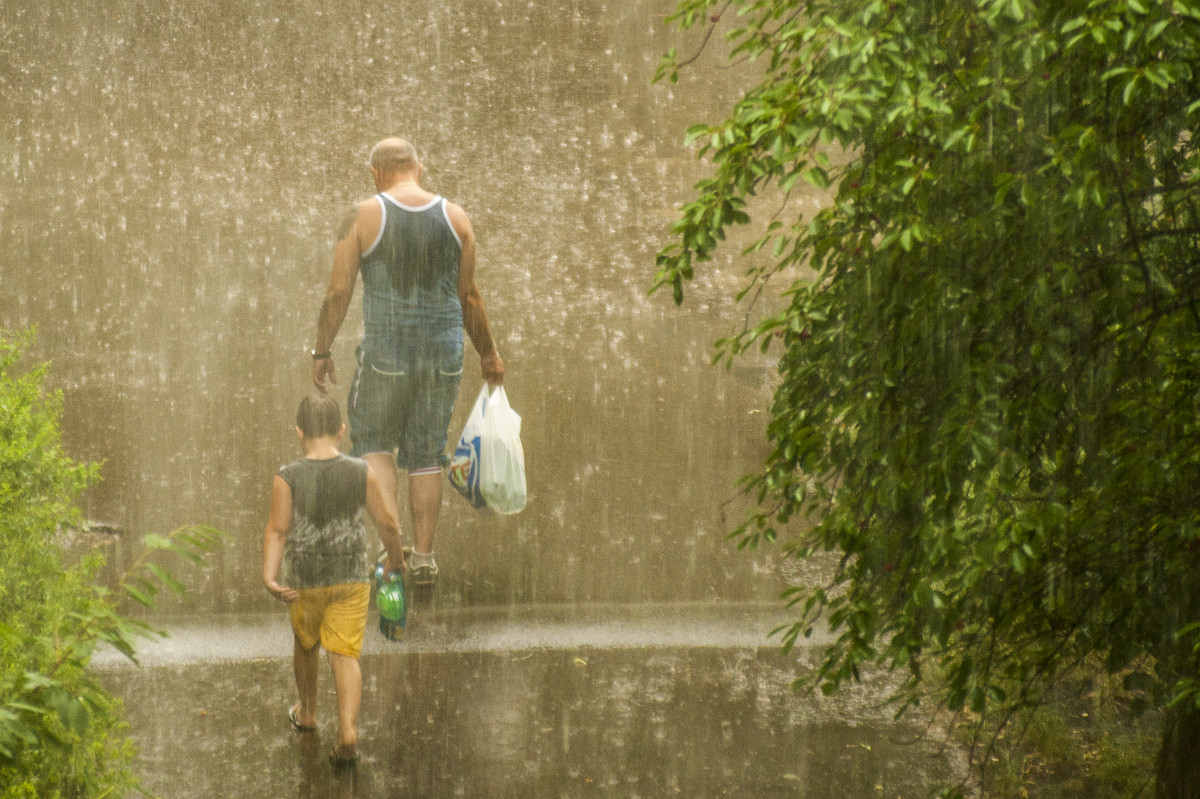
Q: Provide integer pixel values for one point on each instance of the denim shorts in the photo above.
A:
(406, 410)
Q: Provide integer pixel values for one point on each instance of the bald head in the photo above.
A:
(394, 156)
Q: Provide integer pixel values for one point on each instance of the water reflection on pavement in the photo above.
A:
(564, 716)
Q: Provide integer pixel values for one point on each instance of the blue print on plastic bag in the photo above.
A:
(463, 473)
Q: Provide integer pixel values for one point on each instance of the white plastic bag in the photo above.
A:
(464, 465)
(501, 457)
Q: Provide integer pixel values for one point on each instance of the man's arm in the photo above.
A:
(279, 524)
(347, 255)
(475, 319)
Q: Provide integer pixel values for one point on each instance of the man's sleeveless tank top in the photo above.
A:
(412, 317)
(327, 544)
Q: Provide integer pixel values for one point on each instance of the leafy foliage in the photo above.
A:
(990, 382)
(60, 733)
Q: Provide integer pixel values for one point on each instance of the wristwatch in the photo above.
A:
(317, 356)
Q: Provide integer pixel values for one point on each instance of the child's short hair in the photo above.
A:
(319, 415)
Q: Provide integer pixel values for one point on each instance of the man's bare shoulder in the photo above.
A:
(458, 218)
(454, 209)
(366, 211)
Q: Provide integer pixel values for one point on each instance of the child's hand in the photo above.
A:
(282, 592)
(390, 566)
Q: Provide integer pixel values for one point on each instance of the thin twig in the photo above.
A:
(712, 26)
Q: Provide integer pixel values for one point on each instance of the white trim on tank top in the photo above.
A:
(449, 224)
(383, 218)
(382, 224)
(413, 208)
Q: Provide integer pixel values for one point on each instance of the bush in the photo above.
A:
(61, 734)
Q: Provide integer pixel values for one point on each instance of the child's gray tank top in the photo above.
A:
(327, 544)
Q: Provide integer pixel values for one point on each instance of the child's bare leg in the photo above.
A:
(307, 666)
(347, 677)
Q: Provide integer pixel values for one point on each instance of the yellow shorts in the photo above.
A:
(335, 616)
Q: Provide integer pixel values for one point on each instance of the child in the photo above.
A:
(316, 531)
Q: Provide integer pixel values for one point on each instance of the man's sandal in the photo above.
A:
(425, 575)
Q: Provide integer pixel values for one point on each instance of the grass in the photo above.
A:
(1093, 739)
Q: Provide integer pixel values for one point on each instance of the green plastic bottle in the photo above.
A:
(390, 601)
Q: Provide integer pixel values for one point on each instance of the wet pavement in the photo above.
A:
(680, 700)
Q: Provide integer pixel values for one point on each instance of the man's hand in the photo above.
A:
(493, 368)
(322, 368)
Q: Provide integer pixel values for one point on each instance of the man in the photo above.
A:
(416, 253)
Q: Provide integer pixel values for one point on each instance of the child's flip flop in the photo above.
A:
(294, 718)
(339, 761)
